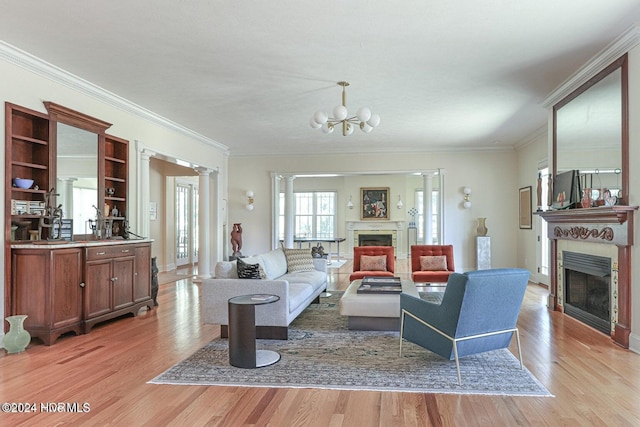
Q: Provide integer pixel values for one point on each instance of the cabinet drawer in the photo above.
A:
(106, 252)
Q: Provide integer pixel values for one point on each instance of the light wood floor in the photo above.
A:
(594, 381)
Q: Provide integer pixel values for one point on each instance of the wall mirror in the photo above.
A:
(77, 175)
(591, 134)
(78, 140)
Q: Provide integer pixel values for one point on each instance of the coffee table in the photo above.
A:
(374, 312)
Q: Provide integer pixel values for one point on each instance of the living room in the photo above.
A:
(494, 175)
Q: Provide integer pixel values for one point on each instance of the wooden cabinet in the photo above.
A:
(30, 153)
(47, 285)
(71, 287)
(112, 287)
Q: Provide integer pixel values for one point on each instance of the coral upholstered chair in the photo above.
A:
(431, 263)
(372, 261)
(478, 313)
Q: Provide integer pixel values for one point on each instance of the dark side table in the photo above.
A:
(242, 332)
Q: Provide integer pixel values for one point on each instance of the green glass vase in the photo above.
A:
(17, 339)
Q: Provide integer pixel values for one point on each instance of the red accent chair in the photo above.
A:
(358, 251)
(438, 276)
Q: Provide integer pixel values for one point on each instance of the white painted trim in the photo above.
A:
(56, 74)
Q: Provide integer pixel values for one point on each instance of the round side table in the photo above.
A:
(242, 332)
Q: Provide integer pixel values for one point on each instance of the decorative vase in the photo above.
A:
(17, 339)
(482, 227)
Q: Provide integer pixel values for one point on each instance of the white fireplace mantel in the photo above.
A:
(353, 227)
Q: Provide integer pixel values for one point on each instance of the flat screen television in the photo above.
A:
(566, 190)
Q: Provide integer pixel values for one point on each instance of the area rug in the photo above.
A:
(322, 353)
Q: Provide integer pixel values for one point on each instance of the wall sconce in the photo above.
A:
(467, 197)
(249, 205)
(399, 205)
(350, 203)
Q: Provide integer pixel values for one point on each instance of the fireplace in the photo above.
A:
(587, 281)
(375, 240)
(602, 231)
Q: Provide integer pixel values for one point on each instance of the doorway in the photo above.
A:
(186, 231)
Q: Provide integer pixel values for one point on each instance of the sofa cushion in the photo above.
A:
(226, 270)
(433, 263)
(299, 293)
(373, 262)
(299, 260)
(250, 271)
(274, 263)
(314, 278)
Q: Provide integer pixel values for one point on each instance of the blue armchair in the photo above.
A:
(478, 313)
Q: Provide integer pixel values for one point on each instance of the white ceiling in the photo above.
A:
(463, 74)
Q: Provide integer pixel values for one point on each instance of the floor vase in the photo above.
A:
(17, 339)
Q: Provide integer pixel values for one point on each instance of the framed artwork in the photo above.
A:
(374, 202)
(524, 219)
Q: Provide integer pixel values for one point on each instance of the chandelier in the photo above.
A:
(363, 118)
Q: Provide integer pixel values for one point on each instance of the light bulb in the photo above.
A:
(374, 120)
(320, 117)
(340, 112)
(363, 114)
(314, 124)
(327, 128)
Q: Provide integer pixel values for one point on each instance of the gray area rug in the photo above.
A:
(322, 353)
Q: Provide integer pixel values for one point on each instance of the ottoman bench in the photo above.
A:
(373, 312)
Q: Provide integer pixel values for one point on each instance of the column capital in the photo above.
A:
(203, 171)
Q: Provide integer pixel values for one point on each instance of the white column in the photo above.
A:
(275, 221)
(67, 197)
(289, 210)
(204, 213)
(427, 188)
(144, 188)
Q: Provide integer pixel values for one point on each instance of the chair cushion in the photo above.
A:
(250, 271)
(433, 263)
(299, 260)
(373, 262)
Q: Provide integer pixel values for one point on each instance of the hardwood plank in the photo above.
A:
(594, 381)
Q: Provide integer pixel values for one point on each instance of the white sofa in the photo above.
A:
(296, 291)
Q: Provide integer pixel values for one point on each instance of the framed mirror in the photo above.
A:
(78, 144)
(591, 135)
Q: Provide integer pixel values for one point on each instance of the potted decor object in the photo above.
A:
(17, 339)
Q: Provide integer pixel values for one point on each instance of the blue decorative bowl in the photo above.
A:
(22, 183)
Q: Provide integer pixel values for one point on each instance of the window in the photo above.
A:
(435, 229)
(314, 214)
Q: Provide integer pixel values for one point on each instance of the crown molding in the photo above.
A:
(623, 44)
(25, 60)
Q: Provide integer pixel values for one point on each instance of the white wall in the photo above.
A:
(491, 176)
(529, 157)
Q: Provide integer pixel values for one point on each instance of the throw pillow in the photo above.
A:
(249, 271)
(373, 263)
(433, 263)
(298, 260)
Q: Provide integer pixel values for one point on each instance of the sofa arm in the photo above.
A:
(216, 294)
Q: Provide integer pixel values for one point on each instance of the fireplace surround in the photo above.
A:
(595, 230)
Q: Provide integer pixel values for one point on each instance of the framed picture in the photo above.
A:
(374, 202)
(525, 208)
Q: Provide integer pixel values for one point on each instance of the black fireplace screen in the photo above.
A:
(587, 280)
(375, 240)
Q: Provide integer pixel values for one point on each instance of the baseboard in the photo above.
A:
(634, 343)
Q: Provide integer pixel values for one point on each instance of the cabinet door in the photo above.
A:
(142, 283)
(66, 293)
(97, 290)
(123, 282)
